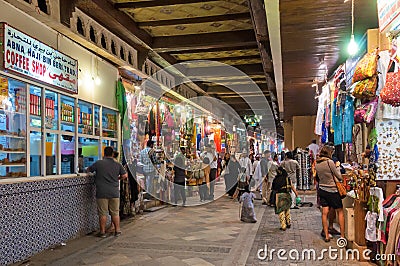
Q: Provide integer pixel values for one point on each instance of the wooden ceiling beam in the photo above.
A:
(220, 49)
(184, 21)
(204, 41)
(144, 4)
(248, 57)
(222, 71)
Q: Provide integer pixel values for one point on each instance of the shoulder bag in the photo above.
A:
(390, 93)
(340, 187)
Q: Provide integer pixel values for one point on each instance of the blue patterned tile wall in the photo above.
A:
(37, 215)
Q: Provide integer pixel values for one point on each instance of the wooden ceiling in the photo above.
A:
(235, 32)
(221, 31)
(312, 31)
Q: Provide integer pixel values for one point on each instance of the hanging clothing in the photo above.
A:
(393, 240)
(378, 193)
(370, 231)
(343, 119)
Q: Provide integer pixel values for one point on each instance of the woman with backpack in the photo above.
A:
(282, 185)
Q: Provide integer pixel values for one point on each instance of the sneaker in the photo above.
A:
(333, 231)
(323, 234)
(117, 234)
(101, 235)
(327, 240)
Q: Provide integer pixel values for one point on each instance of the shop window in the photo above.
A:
(67, 113)
(67, 147)
(88, 152)
(130, 58)
(122, 53)
(42, 5)
(111, 143)
(109, 121)
(35, 153)
(51, 154)
(85, 118)
(103, 41)
(92, 34)
(51, 110)
(113, 49)
(12, 128)
(35, 106)
(79, 27)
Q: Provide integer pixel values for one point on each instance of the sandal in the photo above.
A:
(327, 240)
(117, 234)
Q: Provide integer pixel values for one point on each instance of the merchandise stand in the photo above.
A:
(304, 180)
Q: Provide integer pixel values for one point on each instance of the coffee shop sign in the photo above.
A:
(29, 57)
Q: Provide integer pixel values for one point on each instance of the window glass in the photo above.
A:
(67, 113)
(51, 110)
(35, 153)
(12, 128)
(109, 121)
(67, 147)
(35, 106)
(51, 154)
(85, 118)
(88, 152)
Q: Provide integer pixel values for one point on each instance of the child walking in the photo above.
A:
(283, 186)
(247, 214)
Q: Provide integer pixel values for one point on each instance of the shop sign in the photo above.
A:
(388, 11)
(25, 55)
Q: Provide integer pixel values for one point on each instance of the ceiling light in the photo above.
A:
(352, 48)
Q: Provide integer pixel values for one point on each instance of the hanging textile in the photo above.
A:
(343, 119)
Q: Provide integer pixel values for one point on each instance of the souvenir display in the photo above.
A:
(388, 132)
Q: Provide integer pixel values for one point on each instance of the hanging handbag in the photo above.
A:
(366, 67)
(366, 112)
(366, 88)
(390, 93)
(340, 186)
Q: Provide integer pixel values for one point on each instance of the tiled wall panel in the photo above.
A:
(37, 215)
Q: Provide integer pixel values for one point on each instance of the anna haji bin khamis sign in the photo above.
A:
(27, 56)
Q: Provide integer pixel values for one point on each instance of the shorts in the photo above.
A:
(105, 206)
(330, 199)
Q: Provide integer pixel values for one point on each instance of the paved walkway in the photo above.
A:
(210, 234)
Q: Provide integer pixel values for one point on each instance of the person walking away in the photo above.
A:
(314, 148)
(108, 172)
(212, 162)
(272, 172)
(146, 158)
(243, 182)
(202, 181)
(264, 164)
(246, 163)
(292, 167)
(282, 186)
(328, 194)
(255, 179)
(225, 171)
(234, 170)
(179, 180)
(247, 214)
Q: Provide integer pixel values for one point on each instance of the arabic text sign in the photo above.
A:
(388, 10)
(26, 55)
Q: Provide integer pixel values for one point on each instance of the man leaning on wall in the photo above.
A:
(108, 172)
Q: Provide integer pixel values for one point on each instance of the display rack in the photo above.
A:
(304, 179)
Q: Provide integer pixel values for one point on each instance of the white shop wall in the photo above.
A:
(88, 63)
